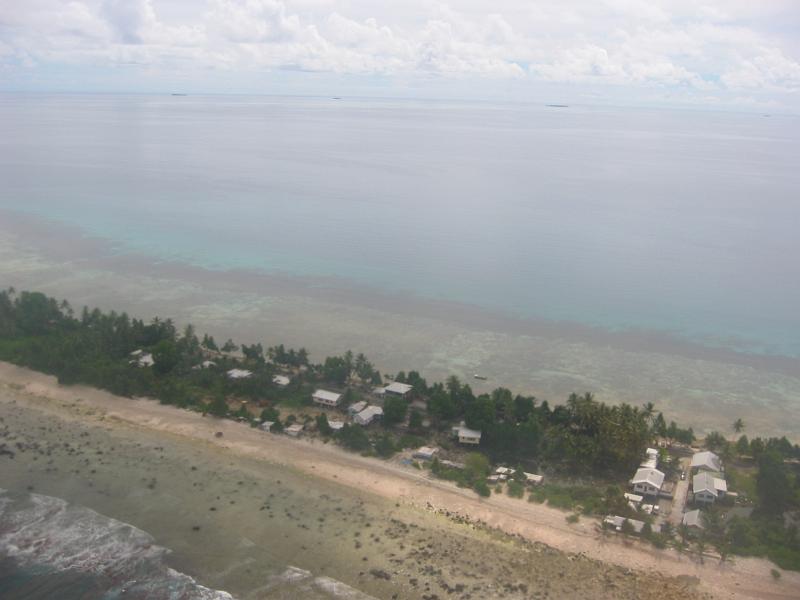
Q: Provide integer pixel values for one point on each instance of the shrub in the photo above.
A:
(482, 489)
(515, 489)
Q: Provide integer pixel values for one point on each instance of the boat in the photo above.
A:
(481, 377)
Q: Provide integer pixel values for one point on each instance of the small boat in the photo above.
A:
(481, 377)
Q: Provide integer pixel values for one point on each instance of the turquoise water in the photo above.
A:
(683, 222)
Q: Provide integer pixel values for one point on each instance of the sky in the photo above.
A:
(737, 54)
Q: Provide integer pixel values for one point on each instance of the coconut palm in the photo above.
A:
(738, 425)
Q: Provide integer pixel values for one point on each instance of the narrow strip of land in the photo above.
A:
(740, 578)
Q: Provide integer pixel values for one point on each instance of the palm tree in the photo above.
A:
(738, 425)
(648, 409)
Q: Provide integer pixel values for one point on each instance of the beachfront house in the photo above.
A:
(533, 478)
(368, 415)
(693, 519)
(294, 429)
(648, 482)
(239, 374)
(650, 459)
(266, 425)
(326, 398)
(466, 435)
(142, 358)
(400, 390)
(707, 489)
(706, 461)
(616, 522)
(356, 407)
(425, 453)
(336, 425)
(281, 380)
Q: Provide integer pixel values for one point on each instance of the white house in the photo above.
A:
(336, 425)
(425, 453)
(651, 459)
(707, 489)
(142, 359)
(706, 461)
(281, 380)
(533, 478)
(239, 374)
(616, 523)
(356, 407)
(368, 415)
(206, 364)
(397, 389)
(294, 429)
(648, 482)
(266, 425)
(466, 435)
(326, 398)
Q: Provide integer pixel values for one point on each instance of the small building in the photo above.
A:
(707, 489)
(294, 429)
(452, 465)
(504, 471)
(495, 478)
(368, 415)
(533, 478)
(356, 407)
(651, 459)
(239, 374)
(380, 392)
(706, 461)
(648, 482)
(466, 435)
(425, 453)
(206, 364)
(635, 498)
(281, 380)
(616, 523)
(336, 425)
(266, 425)
(326, 398)
(693, 519)
(401, 390)
(142, 359)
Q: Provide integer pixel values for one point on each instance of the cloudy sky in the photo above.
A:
(716, 53)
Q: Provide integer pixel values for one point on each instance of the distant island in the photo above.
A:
(625, 465)
(557, 105)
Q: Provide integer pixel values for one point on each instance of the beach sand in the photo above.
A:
(334, 513)
(701, 387)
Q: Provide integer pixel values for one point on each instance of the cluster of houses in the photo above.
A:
(504, 473)
(361, 412)
(708, 486)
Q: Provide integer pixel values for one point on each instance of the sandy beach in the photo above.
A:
(407, 487)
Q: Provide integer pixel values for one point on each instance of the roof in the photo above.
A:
(464, 431)
(425, 452)
(398, 388)
(336, 425)
(633, 497)
(533, 477)
(379, 391)
(706, 482)
(617, 522)
(295, 428)
(281, 380)
(653, 477)
(693, 518)
(370, 412)
(326, 396)
(357, 407)
(239, 373)
(504, 471)
(706, 460)
(267, 425)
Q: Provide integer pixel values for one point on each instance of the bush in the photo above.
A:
(573, 518)
(384, 446)
(353, 437)
(515, 489)
(482, 488)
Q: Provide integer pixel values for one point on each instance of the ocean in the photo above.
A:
(679, 222)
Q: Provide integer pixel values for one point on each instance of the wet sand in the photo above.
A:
(697, 386)
(333, 513)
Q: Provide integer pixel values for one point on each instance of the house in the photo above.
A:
(532, 478)
(693, 519)
(706, 461)
(648, 482)
(707, 489)
(651, 459)
(495, 478)
(400, 390)
(380, 392)
(425, 453)
(326, 398)
(356, 407)
(206, 364)
(266, 425)
(466, 435)
(504, 471)
(336, 425)
(239, 374)
(616, 522)
(635, 498)
(142, 358)
(281, 380)
(452, 465)
(294, 429)
(368, 415)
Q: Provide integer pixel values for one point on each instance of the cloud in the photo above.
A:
(712, 47)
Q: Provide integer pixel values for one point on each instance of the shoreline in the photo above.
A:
(745, 578)
(704, 387)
